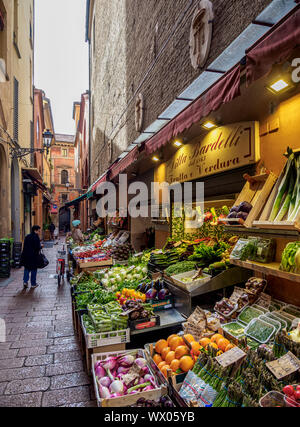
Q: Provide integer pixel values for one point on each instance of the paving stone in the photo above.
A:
(12, 338)
(22, 373)
(34, 336)
(12, 363)
(2, 388)
(69, 380)
(69, 356)
(66, 396)
(22, 400)
(28, 385)
(5, 346)
(42, 319)
(64, 368)
(65, 340)
(90, 404)
(46, 359)
(8, 354)
(31, 343)
(62, 348)
(39, 324)
(33, 351)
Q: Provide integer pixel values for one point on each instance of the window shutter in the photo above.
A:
(16, 109)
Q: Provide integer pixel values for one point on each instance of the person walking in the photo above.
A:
(52, 229)
(30, 255)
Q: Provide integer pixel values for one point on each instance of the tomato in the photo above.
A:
(297, 395)
(289, 390)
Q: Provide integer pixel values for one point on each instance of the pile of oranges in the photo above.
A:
(217, 343)
(174, 355)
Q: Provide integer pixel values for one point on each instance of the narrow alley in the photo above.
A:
(40, 362)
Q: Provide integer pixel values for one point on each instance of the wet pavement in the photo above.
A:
(40, 361)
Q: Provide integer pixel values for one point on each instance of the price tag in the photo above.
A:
(230, 357)
(287, 365)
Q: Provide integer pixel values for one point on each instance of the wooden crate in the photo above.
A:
(256, 191)
(263, 221)
(91, 352)
(127, 400)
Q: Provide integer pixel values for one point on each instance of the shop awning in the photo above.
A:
(36, 177)
(94, 186)
(224, 91)
(276, 47)
(76, 201)
(123, 164)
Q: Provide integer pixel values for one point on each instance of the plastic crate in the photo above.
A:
(104, 339)
(273, 399)
(129, 400)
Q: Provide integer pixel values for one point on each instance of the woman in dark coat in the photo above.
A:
(30, 255)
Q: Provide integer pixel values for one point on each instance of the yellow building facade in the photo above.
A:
(16, 113)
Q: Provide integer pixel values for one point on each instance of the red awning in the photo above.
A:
(100, 180)
(123, 164)
(276, 47)
(224, 91)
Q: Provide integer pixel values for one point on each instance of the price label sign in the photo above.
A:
(230, 357)
(287, 365)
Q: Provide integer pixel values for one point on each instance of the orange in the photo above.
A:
(164, 353)
(215, 338)
(223, 343)
(161, 365)
(229, 347)
(170, 337)
(189, 338)
(196, 347)
(160, 345)
(176, 342)
(165, 370)
(204, 342)
(175, 365)
(186, 363)
(157, 359)
(181, 351)
(170, 357)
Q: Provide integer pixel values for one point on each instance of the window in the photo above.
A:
(64, 152)
(64, 198)
(16, 22)
(64, 177)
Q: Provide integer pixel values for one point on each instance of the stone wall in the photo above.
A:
(128, 59)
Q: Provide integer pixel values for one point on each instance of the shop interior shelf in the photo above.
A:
(168, 319)
(262, 231)
(268, 269)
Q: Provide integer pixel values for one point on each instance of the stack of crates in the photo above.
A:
(5, 256)
(16, 256)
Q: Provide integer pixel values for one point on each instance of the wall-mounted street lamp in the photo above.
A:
(17, 153)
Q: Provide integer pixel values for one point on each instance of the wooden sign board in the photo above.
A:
(222, 149)
(287, 365)
(231, 357)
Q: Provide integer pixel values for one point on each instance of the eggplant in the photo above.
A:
(232, 215)
(163, 294)
(234, 209)
(151, 293)
(242, 215)
(245, 207)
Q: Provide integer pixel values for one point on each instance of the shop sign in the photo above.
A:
(223, 149)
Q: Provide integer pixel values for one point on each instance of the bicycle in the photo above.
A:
(61, 266)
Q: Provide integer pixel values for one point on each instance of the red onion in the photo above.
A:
(142, 363)
(126, 361)
(105, 381)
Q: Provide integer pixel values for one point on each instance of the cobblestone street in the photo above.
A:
(40, 362)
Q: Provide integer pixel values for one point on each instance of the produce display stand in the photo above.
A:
(263, 221)
(256, 192)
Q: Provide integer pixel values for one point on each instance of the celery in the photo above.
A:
(285, 207)
(296, 208)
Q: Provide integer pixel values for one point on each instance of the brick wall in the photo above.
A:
(129, 35)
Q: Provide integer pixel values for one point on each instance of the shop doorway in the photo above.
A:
(3, 194)
(64, 220)
(15, 201)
